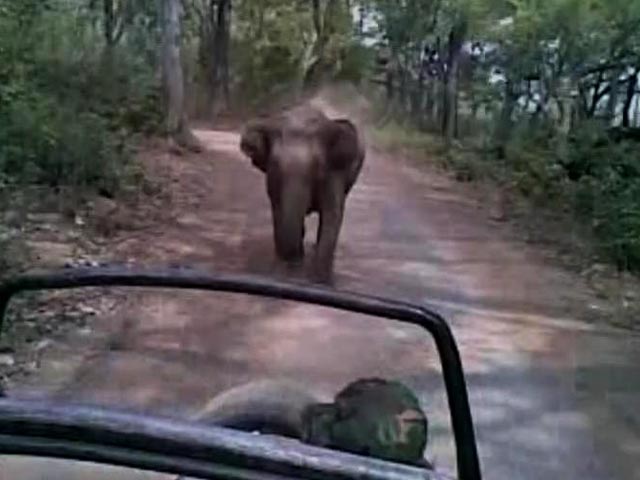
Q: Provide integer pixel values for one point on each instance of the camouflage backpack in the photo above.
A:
(373, 417)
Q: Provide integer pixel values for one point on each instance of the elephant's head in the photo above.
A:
(299, 152)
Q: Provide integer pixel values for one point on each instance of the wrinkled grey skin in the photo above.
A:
(311, 163)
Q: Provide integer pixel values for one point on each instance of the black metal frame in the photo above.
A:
(136, 441)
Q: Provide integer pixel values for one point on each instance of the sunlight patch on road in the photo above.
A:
(564, 323)
(219, 141)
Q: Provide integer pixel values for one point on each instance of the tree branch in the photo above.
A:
(317, 16)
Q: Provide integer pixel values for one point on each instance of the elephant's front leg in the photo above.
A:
(331, 215)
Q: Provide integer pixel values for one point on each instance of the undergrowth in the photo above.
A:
(590, 177)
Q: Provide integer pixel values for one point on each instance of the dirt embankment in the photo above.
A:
(44, 229)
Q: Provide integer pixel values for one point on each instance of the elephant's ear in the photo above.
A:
(342, 142)
(256, 142)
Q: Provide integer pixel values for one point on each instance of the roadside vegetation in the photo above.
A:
(542, 98)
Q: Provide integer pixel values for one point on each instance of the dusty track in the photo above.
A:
(553, 395)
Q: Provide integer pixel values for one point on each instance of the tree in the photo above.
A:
(632, 91)
(173, 78)
(457, 37)
(333, 26)
(213, 19)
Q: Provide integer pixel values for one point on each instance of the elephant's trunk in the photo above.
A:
(288, 220)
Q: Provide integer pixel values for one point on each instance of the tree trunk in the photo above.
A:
(109, 22)
(109, 26)
(220, 62)
(612, 104)
(417, 102)
(403, 88)
(503, 129)
(566, 105)
(434, 108)
(362, 13)
(632, 85)
(173, 77)
(456, 41)
(317, 16)
(205, 62)
(226, 80)
(315, 70)
(390, 80)
(596, 96)
(449, 102)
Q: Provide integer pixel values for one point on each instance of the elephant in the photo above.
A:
(311, 163)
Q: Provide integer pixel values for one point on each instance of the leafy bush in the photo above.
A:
(46, 143)
(356, 63)
(596, 177)
(608, 195)
(532, 159)
(397, 135)
(276, 51)
(65, 106)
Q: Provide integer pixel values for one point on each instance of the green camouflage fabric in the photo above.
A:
(372, 417)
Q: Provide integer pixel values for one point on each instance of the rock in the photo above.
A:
(51, 254)
(630, 287)
(498, 208)
(85, 332)
(44, 218)
(42, 344)
(30, 367)
(174, 148)
(151, 188)
(103, 207)
(87, 310)
(81, 263)
(69, 212)
(108, 217)
(6, 348)
(631, 296)
(596, 269)
(7, 360)
(12, 219)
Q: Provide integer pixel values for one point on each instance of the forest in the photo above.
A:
(542, 96)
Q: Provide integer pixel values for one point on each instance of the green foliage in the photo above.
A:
(534, 165)
(276, 49)
(270, 41)
(66, 100)
(534, 102)
(591, 175)
(356, 64)
(46, 143)
(608, 192)
(395, 135)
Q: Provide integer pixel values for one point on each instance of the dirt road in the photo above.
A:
(553, 396)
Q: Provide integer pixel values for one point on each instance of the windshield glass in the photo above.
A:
(326, 377)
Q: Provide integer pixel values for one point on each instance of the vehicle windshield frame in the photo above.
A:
(467, 461)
